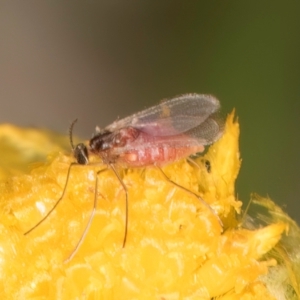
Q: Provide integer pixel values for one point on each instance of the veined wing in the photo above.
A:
(171, 117)
(204, 134)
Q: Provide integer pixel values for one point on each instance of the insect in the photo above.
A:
(172, 130)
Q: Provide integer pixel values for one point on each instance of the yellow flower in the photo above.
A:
(175, 249)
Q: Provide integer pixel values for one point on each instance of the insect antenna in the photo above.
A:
(80, 153)
(55, 205)
(71, 133)
(192, 193)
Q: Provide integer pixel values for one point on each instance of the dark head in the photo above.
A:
(102, 141)
(81, 154)
(80, 151)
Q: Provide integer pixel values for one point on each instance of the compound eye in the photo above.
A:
(81, 154)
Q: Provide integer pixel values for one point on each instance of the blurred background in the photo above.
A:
(99, 60)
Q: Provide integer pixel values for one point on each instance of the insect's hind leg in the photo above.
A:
(192, 193)
(57, 202)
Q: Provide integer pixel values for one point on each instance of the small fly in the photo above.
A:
(172, 130)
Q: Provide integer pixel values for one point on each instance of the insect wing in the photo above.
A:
(208, 131)
(171, 117)
(204, 134)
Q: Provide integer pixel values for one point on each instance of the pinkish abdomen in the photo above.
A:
(159, 155)
(131, 147)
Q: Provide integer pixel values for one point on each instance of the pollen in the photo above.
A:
(175, 249)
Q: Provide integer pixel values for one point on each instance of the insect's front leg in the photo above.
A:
(88, 225)
(126, 201)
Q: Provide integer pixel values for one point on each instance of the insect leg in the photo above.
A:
(192, 193)
(55, 205)
(126, 202)
(192, 162)
(206, 163)
(88, 225)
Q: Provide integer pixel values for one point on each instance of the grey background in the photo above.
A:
(99, 60)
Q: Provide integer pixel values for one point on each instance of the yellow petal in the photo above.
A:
(175, 249)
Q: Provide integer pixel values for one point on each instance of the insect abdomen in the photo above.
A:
(159, 155)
